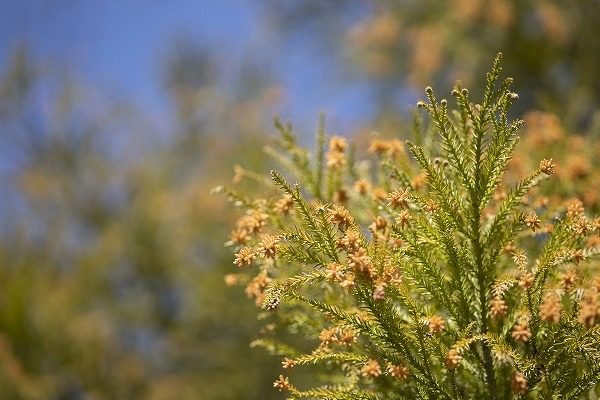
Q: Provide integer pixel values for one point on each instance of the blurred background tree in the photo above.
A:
(112, 262)
(550, 47)
(111, 248)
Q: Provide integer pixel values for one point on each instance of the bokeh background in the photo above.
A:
(117, 117)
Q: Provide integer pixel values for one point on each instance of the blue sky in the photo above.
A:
(119, 46)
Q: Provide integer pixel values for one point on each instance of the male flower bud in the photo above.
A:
(245, 256)
(288, 363)
(399, 372)
(518, 383)
(328, 336)
(399, 198)
(436, 324)
(362, 186)
(547, 167)
(340, 216)
(569, 279)
(550, 309)
(577, 256)
(589, 309)
(453, 359)
(526, 280)
(268, 246)
(498, 307)
(574, 208)
(521, 331)
(371, 369)
(532, 221)
(284, 205)
(282, 383)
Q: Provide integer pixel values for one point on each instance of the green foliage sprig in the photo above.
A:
(410, 276)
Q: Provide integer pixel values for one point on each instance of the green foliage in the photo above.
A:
(407, 275)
